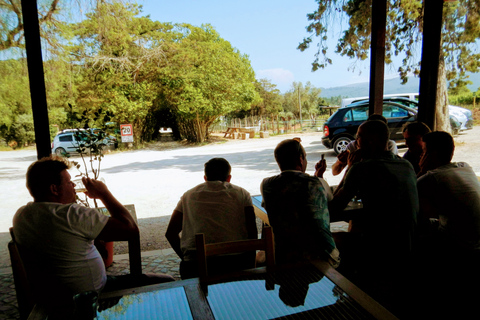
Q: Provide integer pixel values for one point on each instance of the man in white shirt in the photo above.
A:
(56, 236)
(220, 210)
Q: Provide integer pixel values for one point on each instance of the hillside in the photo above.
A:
(390, 86)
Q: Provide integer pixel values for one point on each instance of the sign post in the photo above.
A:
(126, 130)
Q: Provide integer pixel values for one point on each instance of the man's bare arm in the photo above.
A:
(340, 164)
(120, 225)
(174, 228)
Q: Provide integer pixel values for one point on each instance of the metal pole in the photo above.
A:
(36, 78)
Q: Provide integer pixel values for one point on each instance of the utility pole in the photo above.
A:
(300, 107)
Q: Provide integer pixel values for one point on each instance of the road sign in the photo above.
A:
(126, 130)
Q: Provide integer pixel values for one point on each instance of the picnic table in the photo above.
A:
(230, 133)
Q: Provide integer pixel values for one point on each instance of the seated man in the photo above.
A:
(386, 184)
(413, 133)
(220, 210)
(450, 192)
(342, 158)
(449, 195)
(59, 234)
(297, 208)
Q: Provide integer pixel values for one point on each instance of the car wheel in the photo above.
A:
(60, 152)
(341, 144)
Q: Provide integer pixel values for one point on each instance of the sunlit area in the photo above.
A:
(316, 132)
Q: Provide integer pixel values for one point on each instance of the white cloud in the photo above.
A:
(281, 77)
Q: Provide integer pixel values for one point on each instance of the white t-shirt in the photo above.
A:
(215, 208)
(63, 234)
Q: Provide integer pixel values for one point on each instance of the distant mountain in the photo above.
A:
(390, 86)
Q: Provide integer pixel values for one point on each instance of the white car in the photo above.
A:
(463, 115)
(66, 142)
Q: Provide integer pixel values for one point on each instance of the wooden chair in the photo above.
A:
(23, 289)
(134, 248)
(214, 249)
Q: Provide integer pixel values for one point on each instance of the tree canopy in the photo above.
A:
(404, 27)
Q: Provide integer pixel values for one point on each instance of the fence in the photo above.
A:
(266, 125)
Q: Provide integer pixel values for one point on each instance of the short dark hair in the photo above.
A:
(376, 116)
(441, 143)
(43, 173)
(416, 128)
(375, 133)
(217, 169)
(287, 154)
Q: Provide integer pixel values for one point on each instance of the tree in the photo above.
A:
(11, 23)
(117, 56)
(271, 99)
(461, 29)
(205, 78)
(308, 96)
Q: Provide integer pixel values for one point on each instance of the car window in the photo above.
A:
(394, 112)
(64, 138)
(360, 113)
(347, 117)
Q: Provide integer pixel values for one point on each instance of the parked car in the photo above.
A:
(67, 142)
(462, 115)
(342, 126)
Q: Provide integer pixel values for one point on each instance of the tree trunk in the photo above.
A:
(442, 115)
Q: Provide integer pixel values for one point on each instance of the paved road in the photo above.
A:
(155, 180)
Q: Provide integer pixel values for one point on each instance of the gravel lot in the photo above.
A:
(154, 179)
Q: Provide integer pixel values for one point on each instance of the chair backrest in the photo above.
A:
(213, 249)
(134, 247)
(23, 289)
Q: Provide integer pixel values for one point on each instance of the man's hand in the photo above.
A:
(354, 157)
(320, 168)
(343, 157)
(95, 189)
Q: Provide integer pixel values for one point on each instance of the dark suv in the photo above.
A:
(342, 126)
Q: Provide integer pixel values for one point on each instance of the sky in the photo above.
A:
(268, 32)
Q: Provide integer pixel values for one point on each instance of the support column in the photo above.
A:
(377, 55)
(36, 77)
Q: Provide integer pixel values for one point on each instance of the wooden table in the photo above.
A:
(231, 131)
(313, 290)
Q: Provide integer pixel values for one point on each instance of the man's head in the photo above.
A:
(376, 116)
(413, 133)
(217, 169)
(290, 155)
(49, 180)
(372, 136)
(439, 147)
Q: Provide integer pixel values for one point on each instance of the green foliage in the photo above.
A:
(115, 66)
(333, 101)
(308, 96)
(205, 79)
(271, 99)
(461, 29)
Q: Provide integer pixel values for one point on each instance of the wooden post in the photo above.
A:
(377, 59)
(36, 78)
